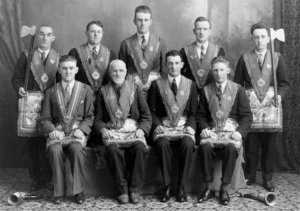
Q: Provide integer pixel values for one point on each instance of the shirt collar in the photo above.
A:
(223, 85)
(46, 51)
(92, 46)
(64, 84)
(199, 45)
(147, 35)
(263, 53)
(177, 79)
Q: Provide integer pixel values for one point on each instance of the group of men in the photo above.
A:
(147, 95)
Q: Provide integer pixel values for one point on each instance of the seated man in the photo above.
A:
(123, 119)
(66, 120)
(173, 104)
(224, 118)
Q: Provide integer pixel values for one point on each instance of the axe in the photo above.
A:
(278, 34)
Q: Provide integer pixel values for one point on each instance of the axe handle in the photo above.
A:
(274, 71)
(29, 58)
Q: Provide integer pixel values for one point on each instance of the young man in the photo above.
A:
(224, 118)
(143, 53)
(173, 104)
(41, 76)
(66, 120)
(92, 57)
(123, 120)
(254, 72)
(198, 55)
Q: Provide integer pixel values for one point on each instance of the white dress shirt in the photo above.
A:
(177, 79)
(223, 85)
(199, 48)
(147, 35)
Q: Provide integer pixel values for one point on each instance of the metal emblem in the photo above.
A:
(269, 66)
(101, 59)
(143, 65)
(118, 113)
(45, 78)
(36, 62)
(151, 48)
(261, 82)
(200, 72)
(219, 114)
(52, 61)
(181, 92)
(229, 98)
(96, 75)
(174, 109)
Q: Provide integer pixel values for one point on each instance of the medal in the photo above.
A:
(200, 72)
(261, 82)
(268, 66)
(143, 65)
(151, 48)
(96, 75)
(52, 61)
(101, 59)
(118, 113)
(219, 114)
(174, 109)
(44, 78)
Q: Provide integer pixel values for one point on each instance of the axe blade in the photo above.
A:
(25, 31)
(278, 34)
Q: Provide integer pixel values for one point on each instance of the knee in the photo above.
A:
(187, 143)
(231, 150)
(55, 149)
(75, 148)
(204, 148)
(162, 143)
(111, 149)
(138, 146)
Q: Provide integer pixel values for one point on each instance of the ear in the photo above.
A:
(181, 65)
(76, 70)
(53, 38)
(134, 21)
(150, 21)
(228, 70)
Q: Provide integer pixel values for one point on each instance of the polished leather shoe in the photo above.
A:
(165, 196)
(224, 197)
(123, 198)
(80, 198)
(206, 195)
(35, 185)
(250, 182)
(181, 194)
(134, 197)
(268, 186)
(58, 200)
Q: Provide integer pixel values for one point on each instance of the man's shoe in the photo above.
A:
(206, 195)
(58, 200)
(35, 185)
(224, 197)
(268, 186)
(181, 194)
(80, 198)
(250, 182)
(134, 197)
(165, 196)
(123, 198)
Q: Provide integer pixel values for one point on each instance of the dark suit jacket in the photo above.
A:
(242, 77)
(240, 111)
(50, 112)
(139, 111)
(18, 78)
(158, 110)
(81, 75)
(158, 62)
(187, 72)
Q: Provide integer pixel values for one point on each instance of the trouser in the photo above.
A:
(184, 148)
(267, 142)
(228, 155)
(39, 168)
(57, 154)
(127, 166)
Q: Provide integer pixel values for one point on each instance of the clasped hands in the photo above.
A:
(106, 133)
(161, 129)
(59, 135)
(207, 133)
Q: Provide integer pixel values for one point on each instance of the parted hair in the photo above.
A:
(67, 58)
(219, 59)
(173, 53)
(201, 19)
(97, 22)
(259, 25)
(142, 8)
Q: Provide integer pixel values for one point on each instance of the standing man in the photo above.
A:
(198, 55)
(143, 52)
(123, 120)
(92, 57)
(253, 71)
(66, 119)
(42, 72)
(224, 118)
(173, 104)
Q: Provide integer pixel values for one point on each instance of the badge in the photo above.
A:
(143, 65)
(181, 92)
(101, 59)
(36, 62)
(229, 98)
(219, 114)
(118, 113)
(174, 109)
(269, 66)
(225, 96)
(261, 82)
(96, 75)
(200, 72)
(52, 61)
(151, 48)
(44, 78)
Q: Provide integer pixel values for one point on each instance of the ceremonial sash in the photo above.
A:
(143, 61)
(68, 114)
(122, 128)
(266, 116)
(200, 70)
(94, 69)
(222, 125)
(44, 75)
(174, 106)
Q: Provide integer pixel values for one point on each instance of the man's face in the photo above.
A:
(45, 37)
(68, 70)
(94, 34)
(261, 39)
(174, 65)
(142, 21)
(220, 72)
(202, 31)
(118, 73)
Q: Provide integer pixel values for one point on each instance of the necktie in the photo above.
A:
(260, 60)
(202, 53)
(43, 56)
(143, 44)
(219, 92)
(67, 94)
(119, 92)
(174, 87)
(94, 53)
